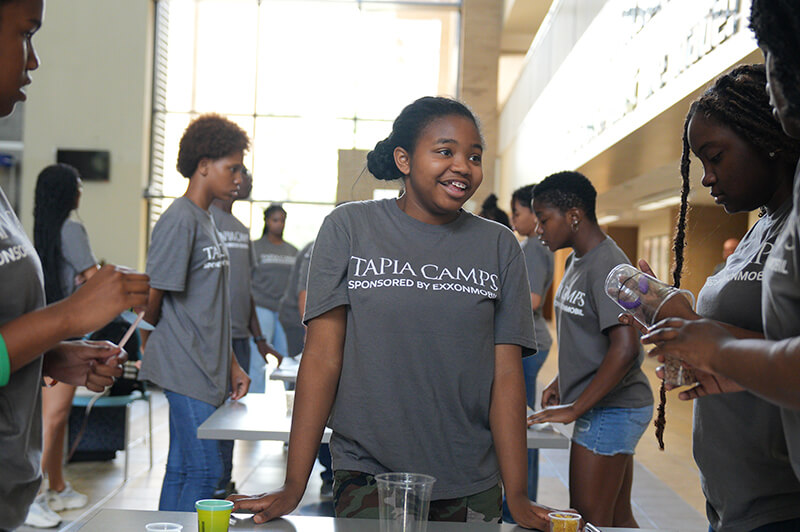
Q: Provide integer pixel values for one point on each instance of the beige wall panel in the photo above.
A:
(706, 230)
(355, 181)
(627, 239)
(481, 26)
(92, 91)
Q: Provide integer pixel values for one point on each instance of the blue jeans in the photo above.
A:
(194, 466)
(324, 457)
(241, 349)
(530, 369)
(273, 331)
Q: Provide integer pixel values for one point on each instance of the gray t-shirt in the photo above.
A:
(539, 262)
(780, 293)
(240, 250)
(584, 313)
(21, 291)
(426, 305)
(271, 274)
(76, 254)
(189, 351)
(288, 310)
(739, 443)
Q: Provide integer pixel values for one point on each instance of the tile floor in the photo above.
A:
(666, 492)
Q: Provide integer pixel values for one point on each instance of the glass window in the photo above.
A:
(304, 78)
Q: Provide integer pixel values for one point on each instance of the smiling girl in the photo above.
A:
(418, 316)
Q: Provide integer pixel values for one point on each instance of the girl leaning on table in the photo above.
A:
(31, 334)
(418, 315)
(600, 385)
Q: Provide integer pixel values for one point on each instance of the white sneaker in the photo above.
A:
(40, 515)
(68, 499)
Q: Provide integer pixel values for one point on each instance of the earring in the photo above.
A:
(575, 226)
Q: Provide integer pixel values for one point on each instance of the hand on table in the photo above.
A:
(550, 395)
(267, 506)
(266, 349)
(554, 414)
(85, 363)
(240, 382)
(527, 513)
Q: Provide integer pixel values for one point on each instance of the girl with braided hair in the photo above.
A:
(418, 316)
(769, 368)
(68, 262)
(600, 384)
(748, 163)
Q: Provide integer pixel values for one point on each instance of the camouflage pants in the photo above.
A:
(355, 494)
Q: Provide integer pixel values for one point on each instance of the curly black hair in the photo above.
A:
(566, 190)
(56, 195)
(407, 128)
(776, 24)
(209, 136)
(524, 195)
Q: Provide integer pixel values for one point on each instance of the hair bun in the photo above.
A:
(380, 161)
(490, 202)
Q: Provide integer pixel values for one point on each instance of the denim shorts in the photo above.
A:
(608, 431)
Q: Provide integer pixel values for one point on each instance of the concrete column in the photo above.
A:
(481, 25)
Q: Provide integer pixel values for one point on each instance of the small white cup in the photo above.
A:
(161, 527)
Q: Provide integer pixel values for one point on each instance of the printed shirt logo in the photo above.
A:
(569, 300)
(8, 227)
(752, 271)
(385, 272)
(271, 258)
(236, 239)
(779, 263)
(215, 257)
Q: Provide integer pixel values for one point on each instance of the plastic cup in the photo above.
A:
(640, 295)
(213, 515)
(643, 297)
(169, 527)
(403, 501)
(564, 521)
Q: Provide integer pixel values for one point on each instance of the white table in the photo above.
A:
(260, 416)
(287, 371)
(135, 521)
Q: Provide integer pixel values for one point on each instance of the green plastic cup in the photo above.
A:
(213, 515)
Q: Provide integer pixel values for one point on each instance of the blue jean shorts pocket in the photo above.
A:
(609, 431)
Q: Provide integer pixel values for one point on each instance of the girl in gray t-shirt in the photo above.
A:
(600, 385)
(189, 353)
(745, 168)
(418, 314)
(68, 262)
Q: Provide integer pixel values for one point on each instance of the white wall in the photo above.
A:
(92, 91)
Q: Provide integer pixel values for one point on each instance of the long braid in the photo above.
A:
(55, 197)
(678, 245)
